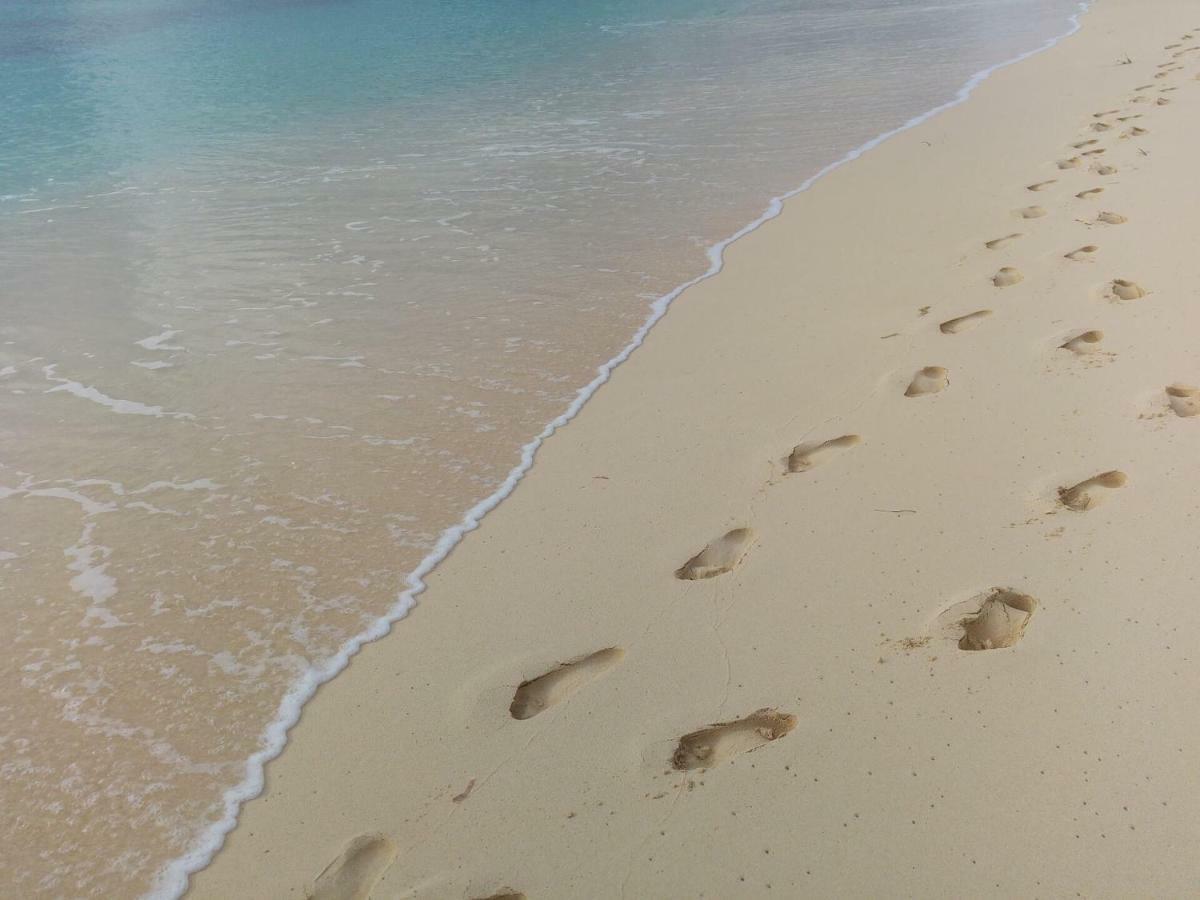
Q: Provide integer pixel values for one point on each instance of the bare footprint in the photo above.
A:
(930, 380)
(1134, 132)
(1088, 342)
(1000, 621)
(1090, 192)
(1001, 241)
(719, 557)
(1161, 101)
(1143, 87)
(1184, 400)
(720, 743)
(541, 693)
(1082, 253)
(1106, 170)
(505, 894)
(962, 323)
(1041, 185)
(1111, 218)
(1127, 118)
(1101, 126)
(1071, 163)
(1107, 112)
(1031, 212)
(1127, 290)
(1100, 152)
(1082, 144)
(1084, 496)
(805, 456)
(1007, 277)
(360, 865)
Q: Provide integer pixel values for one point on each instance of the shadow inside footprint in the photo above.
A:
(1000, 621)
(1088, 342)
(1007, 277)
(1184, 400)
(804, 456)
(360, 865)
(1127, 290)
(996, 243)
(505, 894)
(929, 380)
(1084, 496)
(539, 694)
(720, 743)
(963, 323)
(1082, 253)
(719, 557)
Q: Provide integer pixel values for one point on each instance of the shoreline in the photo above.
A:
(174, 880)
(478, 568)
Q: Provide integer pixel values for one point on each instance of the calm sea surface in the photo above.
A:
(285, 285)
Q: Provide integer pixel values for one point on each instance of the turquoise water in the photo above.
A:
(288, 287)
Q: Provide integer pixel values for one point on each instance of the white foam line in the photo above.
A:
(173, 880)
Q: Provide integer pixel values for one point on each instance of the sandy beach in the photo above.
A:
(876, 562)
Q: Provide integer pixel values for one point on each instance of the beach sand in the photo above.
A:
(931, 572)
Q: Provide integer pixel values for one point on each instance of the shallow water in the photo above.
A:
(286, 287)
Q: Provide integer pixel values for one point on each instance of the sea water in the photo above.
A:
(289, 291)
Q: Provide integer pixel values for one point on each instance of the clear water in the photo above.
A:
(286, 286)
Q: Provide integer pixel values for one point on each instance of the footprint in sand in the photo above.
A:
(1184, 399)
(1127, 290)
(1085, 495)
(1101, 126)
(1041, 185)
(999, 622)
(1088, 342)
(720, 743)
(352, 875)
(930, 380)
(1082, 144)
(805, 456)
(504, 894)
(1099, 152)
(1161, 101)
(996, 243)
(1071, 163)
(1107, 112)
(963, 323)
(1143, 87)
(719, 557)
(1091, 192)
(1111, 218)
(1127, 118)
(1082, 253)
(1007, 277)
(539, 694)
(1134, 132)
(1031, 212)
(1106, 170)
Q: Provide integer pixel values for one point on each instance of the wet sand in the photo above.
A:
(871, 574)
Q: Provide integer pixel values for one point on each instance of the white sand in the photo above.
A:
(1065, 763)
